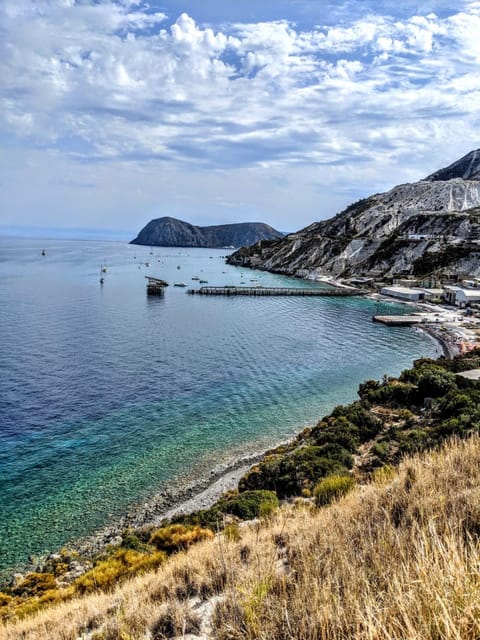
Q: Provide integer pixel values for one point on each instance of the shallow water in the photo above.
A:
(108, 396)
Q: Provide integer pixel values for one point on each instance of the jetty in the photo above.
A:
(399, 321)
(155, 286)
(275, 291)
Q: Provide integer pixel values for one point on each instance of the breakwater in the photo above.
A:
(341, 292)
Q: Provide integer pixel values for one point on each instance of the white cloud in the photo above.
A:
(117, 81)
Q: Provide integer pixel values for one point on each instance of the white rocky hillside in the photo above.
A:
(430, 226)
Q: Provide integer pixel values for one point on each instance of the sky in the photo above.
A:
(114, 112)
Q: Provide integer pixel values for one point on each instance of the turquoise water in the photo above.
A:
(108, 396)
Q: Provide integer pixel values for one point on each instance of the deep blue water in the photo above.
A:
(108, 396)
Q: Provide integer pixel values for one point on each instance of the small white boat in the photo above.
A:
(179, 284)
(195, 278)
(203, 281)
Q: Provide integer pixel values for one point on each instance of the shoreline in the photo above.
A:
(449, 349)
(446, 337)
(201, 494)
(212, 484)
(166, 504)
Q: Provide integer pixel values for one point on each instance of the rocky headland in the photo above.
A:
(430, 226)
(171, 232)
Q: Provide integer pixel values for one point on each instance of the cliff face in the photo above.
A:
(170, 232)
(419, 228)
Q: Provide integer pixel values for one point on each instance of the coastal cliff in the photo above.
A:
(430, 226)
(170, 232)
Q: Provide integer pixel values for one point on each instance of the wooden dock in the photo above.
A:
(275, 291)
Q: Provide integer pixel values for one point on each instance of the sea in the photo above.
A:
(109, 396)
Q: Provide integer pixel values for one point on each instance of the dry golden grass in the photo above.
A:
(395, 560)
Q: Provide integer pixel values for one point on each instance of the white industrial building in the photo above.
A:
(404, 293)
(466, 297)
(461, 297)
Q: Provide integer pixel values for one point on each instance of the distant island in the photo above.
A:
(171, 232)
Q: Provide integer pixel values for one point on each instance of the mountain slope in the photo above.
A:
(418, 228)
(170, 232)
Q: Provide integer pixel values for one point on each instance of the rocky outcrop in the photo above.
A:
(467, 168)
(431, 226)
(170, 232)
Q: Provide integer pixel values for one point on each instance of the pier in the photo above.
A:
(275, 291)
(399, 321)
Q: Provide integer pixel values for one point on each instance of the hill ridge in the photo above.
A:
(427, 227)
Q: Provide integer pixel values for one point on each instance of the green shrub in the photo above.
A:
(250, 504)
(380, 449)
(135, 540)
(455, 403)
(337, 430)
(432, 380)
(331, 488)
(366, 424)
(291, 474)
(367, 387)
(338, 453)
(245, 505)
(394, 393)
(413, 441)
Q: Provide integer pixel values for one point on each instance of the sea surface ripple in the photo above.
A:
(108, 396)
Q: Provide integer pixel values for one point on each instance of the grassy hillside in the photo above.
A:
(397, 558)
(307, 569)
